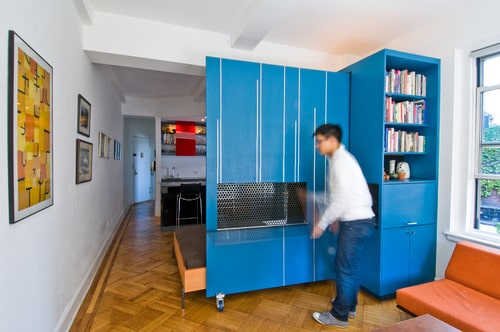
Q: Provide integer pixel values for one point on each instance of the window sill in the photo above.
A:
(476, 237)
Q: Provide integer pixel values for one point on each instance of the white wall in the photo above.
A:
(185, 166)
(49, 257)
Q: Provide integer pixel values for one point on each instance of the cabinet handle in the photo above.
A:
(295, 153)
(257, 137)
(410, 223)
(219, 151)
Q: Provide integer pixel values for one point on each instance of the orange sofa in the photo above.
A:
(468, 297)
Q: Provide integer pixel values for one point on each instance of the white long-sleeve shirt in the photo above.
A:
(348, 196)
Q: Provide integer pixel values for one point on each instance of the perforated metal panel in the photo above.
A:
(246, 205)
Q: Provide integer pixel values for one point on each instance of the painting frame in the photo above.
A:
(84, 116)
(84, 160)
(30, 134)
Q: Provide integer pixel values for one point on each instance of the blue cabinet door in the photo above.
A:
(244, 260)
(298, 253)
(311, 114)
(291, 124)
(213, 84)
(405, 204)
(271, 124)
(394, 260)
(422, 254)
(337, 102)
(238, 121)
(408, 257)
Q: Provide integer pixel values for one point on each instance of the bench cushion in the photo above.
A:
(192, 243)
(452, 302)
(475, 266)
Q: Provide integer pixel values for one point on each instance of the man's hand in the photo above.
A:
(334, 227)
(316, 232)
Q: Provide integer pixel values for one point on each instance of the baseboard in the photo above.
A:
(74, 305)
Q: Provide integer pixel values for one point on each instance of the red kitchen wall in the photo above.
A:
(185, 138)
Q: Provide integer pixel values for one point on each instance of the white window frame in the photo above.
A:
(463, 214)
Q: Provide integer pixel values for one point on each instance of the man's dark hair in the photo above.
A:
(329, 130)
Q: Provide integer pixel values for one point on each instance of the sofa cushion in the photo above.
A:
(475, 266)
(452, 302)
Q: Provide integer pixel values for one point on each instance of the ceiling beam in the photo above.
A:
(257, 20)
(86, 11)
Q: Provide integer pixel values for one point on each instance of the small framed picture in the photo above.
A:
(83, 116)
(84, 154)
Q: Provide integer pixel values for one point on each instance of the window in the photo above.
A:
(487, 149)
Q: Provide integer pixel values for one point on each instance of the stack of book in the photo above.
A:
(402, 141)
(411, 112)
(405, 82)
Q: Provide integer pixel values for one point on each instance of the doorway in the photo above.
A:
(142, 169)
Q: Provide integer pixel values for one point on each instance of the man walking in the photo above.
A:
(348, 212)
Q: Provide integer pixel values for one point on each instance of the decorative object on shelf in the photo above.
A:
(84, 154)
(83, 116)
(29, 131)
(392, 166)
(401, 175)
(403, 167)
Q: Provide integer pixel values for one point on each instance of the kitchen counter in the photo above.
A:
(176, 182)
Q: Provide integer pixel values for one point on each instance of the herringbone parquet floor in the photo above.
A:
(138, 288)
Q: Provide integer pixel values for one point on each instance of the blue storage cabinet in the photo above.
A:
(244, 260)
(260, 121)
(238, 121)
(402, 251)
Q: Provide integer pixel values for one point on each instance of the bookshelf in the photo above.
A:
(395, 118)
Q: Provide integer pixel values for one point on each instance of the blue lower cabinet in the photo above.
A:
(299, 259)
(244, 260)
(325, 251)
(413, 260)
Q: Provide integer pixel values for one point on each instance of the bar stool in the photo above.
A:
(189, 192)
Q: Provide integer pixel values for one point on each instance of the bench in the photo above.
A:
(190, 253)
(468, 298)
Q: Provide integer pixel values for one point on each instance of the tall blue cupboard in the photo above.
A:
(260, 122)
(394, 118)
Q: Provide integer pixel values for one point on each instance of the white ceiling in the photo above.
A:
(335, 27)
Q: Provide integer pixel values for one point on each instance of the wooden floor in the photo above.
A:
(138, 288)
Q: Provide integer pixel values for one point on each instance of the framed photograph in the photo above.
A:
(117, 150)
(30, 136)
(83, 116)
(104, 145)
(84, 153)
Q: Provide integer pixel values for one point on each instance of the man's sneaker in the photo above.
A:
(351, 314)
(327, 318)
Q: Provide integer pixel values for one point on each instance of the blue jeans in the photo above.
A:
(351, 242)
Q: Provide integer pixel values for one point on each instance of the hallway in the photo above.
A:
(138, 288)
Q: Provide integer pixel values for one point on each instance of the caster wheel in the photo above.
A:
(219, 299)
